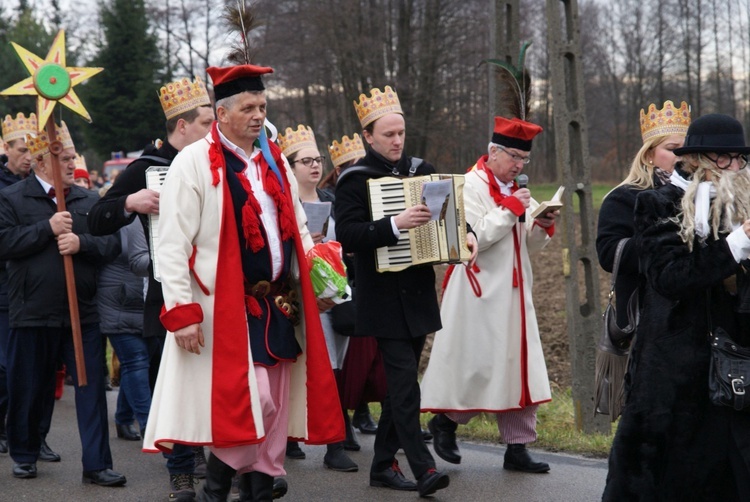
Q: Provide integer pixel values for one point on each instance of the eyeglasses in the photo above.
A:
(514, 157)
(724, 160)
(308, 161)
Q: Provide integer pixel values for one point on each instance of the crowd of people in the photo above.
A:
(223, 344)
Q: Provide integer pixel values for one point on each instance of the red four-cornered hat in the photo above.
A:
(233, 80)
(514, 133)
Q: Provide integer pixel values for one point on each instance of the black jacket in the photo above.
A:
(108, 216)
(7, 178)
(36, 277)
(672, 443)
(616, 223)
(390, 304)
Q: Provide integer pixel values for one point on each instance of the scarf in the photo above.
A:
(703, 196)
(251, 211)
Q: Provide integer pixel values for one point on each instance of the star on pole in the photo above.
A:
(51, 80)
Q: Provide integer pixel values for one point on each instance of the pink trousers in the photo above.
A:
(266, 457)
(515, 426)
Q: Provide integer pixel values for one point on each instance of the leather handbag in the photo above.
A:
(613, 350)
(344, 315)
(729, 370)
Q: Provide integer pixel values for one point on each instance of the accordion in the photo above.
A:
(154, 180)
(438, 241)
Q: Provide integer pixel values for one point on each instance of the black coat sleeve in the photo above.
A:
(108, 214)
(670, 267)
(615, 224)
(354, 228)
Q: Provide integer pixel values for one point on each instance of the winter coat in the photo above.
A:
(36, 277)
(120, 294)
(391, 304)
(672, 443)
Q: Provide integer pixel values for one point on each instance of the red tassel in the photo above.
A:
(59, 382)
(251, 228)
(253, 306)
(515, 277)
(216, 157)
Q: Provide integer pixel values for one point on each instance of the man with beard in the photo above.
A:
(693, 243)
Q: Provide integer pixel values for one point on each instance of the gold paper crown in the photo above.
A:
(81, 162)
(19, 127)
(347, 150)
(182, 96)
(38, 143)
(665, 122)
(291, 141)
(377, 105)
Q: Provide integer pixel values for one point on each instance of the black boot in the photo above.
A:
(262, 487)
(363, 421)
(336, 459)
(218, 481)
(444, 430)
(517, 458)
(350, 443)
(245, 486)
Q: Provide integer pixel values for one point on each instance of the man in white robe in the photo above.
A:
(497, 365)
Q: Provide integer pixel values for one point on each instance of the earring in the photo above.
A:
(651, 162)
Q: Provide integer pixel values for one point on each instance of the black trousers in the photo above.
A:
(33, 356)
(399, 425)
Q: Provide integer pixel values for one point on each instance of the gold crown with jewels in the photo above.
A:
(38, 143)
(665, 122)
(19, 127)
(182, 96)
(379, 104)
(347, 150)
(81, 163)
(291, 141)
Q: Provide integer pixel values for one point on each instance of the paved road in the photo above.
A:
(480, 476)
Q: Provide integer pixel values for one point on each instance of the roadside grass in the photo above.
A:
(556, 428)
(545, 191)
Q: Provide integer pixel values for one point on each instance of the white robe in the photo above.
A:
(477, 361)
(190, 216)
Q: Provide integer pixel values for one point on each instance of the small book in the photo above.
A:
(550, 205)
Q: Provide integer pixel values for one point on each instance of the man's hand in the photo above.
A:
(473, 245)
(325, 304)
(190, 338)
(61, 223)
(412, 217)
(317, 237)
(548, 219)
(68, 243)
(144, 201)
(524, 195)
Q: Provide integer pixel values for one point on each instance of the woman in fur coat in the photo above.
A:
(692, 239)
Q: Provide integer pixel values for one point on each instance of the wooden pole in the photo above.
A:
(55, 149)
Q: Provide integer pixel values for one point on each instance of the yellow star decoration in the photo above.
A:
(51, 80)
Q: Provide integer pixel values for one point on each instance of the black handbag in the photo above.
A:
(343, 316)
(729, 370)
(613, 350)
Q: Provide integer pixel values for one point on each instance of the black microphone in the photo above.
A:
(523, 181)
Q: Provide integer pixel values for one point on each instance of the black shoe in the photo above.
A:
(199, 472)
(127, 432)
(392, 478)
(444, 430)
(103, 477)
(280, 487)
(182, 487)
(517, 458)
(336, 459)
(294, 451)
(426, 436)
(24, 471)
(432, 481)
(46, 454)
(363, 421)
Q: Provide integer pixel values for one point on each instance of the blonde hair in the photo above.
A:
(732, 202)
(641, 174)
